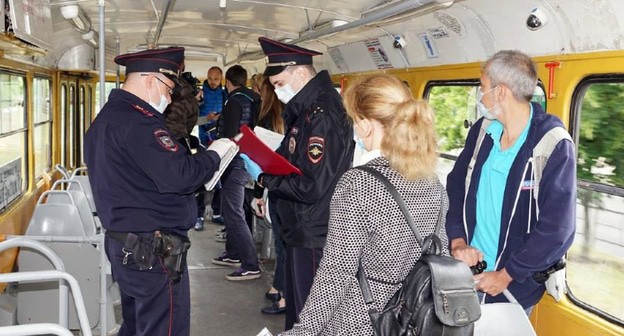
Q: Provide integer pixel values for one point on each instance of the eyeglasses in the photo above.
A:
(169, 88)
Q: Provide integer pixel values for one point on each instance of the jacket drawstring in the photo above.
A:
(513, 210)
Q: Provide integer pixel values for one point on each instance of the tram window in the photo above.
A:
(598, 248)
(454, 104)
(43, 125)
(454, 108)
(13, 133)
(63, 147)
(108, 87)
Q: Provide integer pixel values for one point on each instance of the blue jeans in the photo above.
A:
(240, 243)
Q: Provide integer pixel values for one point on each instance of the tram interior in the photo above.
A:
(56, 70)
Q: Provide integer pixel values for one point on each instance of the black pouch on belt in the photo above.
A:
(140, 251)
(172, 247)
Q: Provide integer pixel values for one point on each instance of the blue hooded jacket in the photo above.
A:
(523, 249)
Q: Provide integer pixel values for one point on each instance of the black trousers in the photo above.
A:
(301, 266)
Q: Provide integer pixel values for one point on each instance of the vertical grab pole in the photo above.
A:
(102, 50)
(103, 289)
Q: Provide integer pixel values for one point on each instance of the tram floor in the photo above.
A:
(225, 308)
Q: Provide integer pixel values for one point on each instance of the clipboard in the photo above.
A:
(270, 162)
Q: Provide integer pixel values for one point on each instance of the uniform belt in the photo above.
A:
(118, 236)
(122, 237)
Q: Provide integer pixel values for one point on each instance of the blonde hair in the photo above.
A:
(256, 82)
(409, 141)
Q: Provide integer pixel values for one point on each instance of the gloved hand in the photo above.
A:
(221, 146)
(251, 167)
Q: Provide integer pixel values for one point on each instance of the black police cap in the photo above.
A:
(166, 61)
(282, 55)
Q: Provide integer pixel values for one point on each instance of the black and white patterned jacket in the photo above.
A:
(366, 224)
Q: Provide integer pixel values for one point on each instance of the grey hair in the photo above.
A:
(513, 69)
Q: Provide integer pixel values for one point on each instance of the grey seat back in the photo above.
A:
(86, 186)
(60, 218)
(80, 200)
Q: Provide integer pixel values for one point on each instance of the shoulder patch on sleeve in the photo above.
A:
(316, 148)
(164, 139)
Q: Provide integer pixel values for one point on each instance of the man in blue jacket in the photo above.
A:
(493, 214)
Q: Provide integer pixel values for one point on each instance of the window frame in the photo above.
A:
(25, 176)
(49, 121)
(575, 123)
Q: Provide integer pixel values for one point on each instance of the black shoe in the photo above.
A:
(273, 309)
(272, 296)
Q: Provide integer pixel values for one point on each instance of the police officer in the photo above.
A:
(319, 140)
(143, 183)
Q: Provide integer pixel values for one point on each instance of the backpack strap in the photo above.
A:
(432, 241)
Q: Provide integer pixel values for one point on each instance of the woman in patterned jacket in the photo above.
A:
(365, 223)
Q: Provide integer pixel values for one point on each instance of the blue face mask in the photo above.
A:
(487, 113)
(358, 141)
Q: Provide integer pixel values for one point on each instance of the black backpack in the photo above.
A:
(437, 297)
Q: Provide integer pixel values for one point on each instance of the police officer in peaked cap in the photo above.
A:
(143, 183)
(319, 141)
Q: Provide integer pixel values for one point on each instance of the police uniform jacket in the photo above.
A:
(319, 141)
(142, 179)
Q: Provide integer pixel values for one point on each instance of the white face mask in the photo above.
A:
(487, 113)
(285, 92)
(162, 104)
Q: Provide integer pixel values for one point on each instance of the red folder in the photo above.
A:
(270, 162)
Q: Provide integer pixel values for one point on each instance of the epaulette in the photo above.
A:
(143, 110)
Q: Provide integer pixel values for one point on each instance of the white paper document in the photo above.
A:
(270, 138)
(227, 157)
